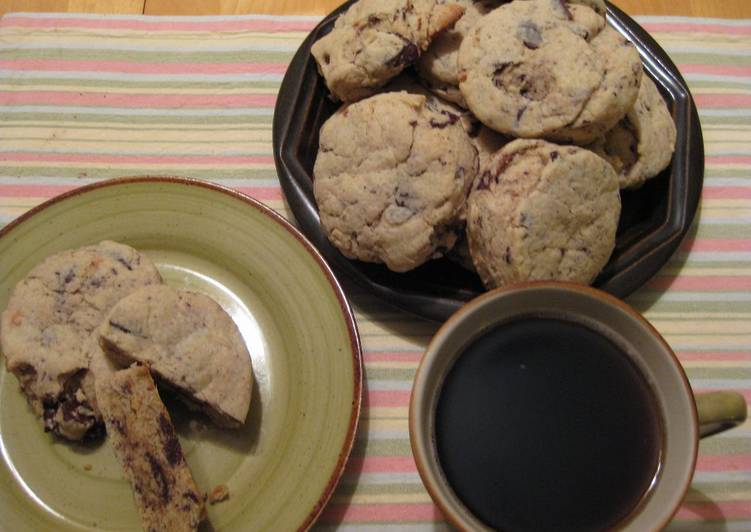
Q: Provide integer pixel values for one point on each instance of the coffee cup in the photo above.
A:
(557, 406)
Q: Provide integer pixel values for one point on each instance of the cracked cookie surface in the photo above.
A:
(615, 95)
(189, 342)
(525, 69)
(391, 179)
(51, 314)
(374, 40)
(539, 211)
(641, 145)
(438, 65)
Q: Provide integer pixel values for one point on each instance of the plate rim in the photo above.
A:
(438, 306)
(344, 305)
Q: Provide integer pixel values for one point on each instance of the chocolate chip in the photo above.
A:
(172, 449)
(507, 255)
(553, 155)
(564, 8)
(408, 54)
(483, 183)
(159, 476)
(499, 69)
(125, 263)
(529, 34)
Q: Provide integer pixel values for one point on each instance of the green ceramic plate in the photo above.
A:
(282, 466)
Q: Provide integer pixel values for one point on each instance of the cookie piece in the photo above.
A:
(391, 179)
(375, 39)
(49, 317)
(641, 145)
(189, 342)
(438, 65)
(149, 452)
(539, 211)
(615, 95)
(525, 71)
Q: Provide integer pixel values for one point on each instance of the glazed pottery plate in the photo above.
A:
(283, 464)
(654, 218)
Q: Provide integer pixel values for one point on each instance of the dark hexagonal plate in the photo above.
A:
(654, 218)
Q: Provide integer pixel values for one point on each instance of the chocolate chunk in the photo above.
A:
(159, 476)
(529, 34)
(408, 54)
(171, 444)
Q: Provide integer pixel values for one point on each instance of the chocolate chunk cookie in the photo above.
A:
(51, 314)
(189, 342)
(391, 179)
(525, 71)
(614, 97)
(375, 39)
(438, 65)
(642, 144)
(146, 445)
(539, 211)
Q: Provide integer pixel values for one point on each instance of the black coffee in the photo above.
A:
(544, 424)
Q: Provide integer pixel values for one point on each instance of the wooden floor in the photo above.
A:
(695, 8)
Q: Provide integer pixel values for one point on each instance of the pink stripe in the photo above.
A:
(380, 464)
(717, 244)
(160, 24)
(715, 355)
(262, 193)
(33, 191)
(728, 159)
(393, 356)
(337, 513)
(724, 462)
(723, 100)
(700, 283)
(132, 67)
(726, 193)
(696, 27)
(137, 159)
(713, 511)
(720, 70)
(136, 100)
(386, 398)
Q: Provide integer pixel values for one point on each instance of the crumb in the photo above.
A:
(87, 467)
(218, 494)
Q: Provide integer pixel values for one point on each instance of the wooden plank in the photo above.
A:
(129, 7)
(695, 8)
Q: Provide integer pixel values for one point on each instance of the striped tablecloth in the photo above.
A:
(85, 98)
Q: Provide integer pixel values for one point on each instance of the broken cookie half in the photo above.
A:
(147, 447)
(190, 343)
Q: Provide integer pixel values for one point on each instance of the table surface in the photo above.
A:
(694, 8)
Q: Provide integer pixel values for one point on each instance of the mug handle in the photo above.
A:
(719, 411)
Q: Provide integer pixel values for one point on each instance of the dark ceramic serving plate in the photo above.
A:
(654, 218)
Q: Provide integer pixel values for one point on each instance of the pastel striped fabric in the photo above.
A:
(85, 98)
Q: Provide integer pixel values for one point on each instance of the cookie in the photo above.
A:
(614, 97)
(51, 314)
(524, 70)
(190, 343)
(641, 145)
(145, 444)
(539, 211)
(391, 179)
(485, 140)
(374, 40)
(438, 65)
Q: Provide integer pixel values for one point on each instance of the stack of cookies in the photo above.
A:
(511, 126)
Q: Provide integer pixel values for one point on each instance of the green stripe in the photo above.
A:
(394, 447)
(725, 445)
(400, 374)
(651, 302)
(266, 126)
(349, 488)
(719, 373)
(716, 58)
